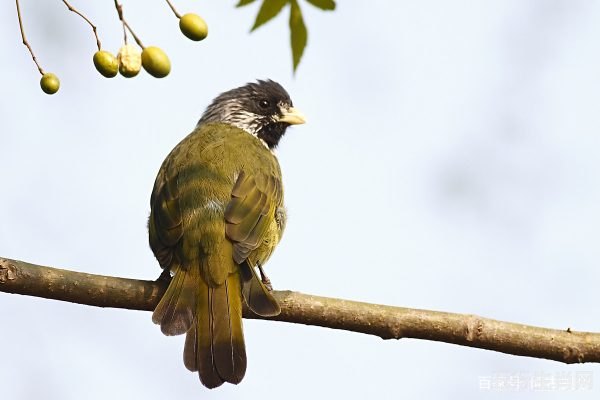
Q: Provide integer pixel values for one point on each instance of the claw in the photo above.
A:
(265, 279)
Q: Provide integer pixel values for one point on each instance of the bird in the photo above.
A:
(216, 215)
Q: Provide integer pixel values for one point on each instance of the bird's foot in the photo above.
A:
(265, 279)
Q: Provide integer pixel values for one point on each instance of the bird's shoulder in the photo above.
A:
(216, 142)
(217, 149)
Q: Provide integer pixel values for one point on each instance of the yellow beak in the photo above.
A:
(292, 116)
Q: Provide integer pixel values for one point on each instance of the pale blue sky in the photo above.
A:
(450, 163)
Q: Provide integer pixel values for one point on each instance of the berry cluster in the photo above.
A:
(130, 59)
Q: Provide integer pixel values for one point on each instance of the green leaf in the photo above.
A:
(268, 10)
(243, 3)
(327, 5)
(298, 33)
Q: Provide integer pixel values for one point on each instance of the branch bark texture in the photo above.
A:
(387, 322)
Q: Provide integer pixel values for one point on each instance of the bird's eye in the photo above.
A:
(264, 104)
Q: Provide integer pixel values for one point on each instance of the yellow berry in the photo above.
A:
(156, 62)
(49, 83)
(130, 60)
(193, 26)
(106, 64)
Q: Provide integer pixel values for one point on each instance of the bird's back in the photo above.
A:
(193, 189)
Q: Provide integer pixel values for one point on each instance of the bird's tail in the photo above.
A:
(175, 311)
(214, 345)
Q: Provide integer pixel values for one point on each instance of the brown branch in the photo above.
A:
(73, 9)
(386, 322)
(25, 42)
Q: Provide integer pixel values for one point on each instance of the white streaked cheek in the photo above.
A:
(244, 120)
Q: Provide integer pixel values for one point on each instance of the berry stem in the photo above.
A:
(173, 9)
(137, 39)
(25, 42)
(126, 26)
(119, 8)
(73, 9)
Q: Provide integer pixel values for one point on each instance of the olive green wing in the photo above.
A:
(165, 224)
(249, 215)
(250, 212)
(175, 311)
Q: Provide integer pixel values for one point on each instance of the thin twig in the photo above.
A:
(119, 8)
(71, 8)
(387, 322)
(25, 42)
(173, 8)
(135, 37)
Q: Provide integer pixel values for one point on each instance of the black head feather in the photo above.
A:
(255, 108)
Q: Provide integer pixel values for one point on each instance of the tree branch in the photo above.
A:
(386, 322)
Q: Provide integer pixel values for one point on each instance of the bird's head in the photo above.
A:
(263, 109)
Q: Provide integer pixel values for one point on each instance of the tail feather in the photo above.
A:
(191, 349)
(227, 336)
(175, 311)
(198, 352)
(214, 344)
